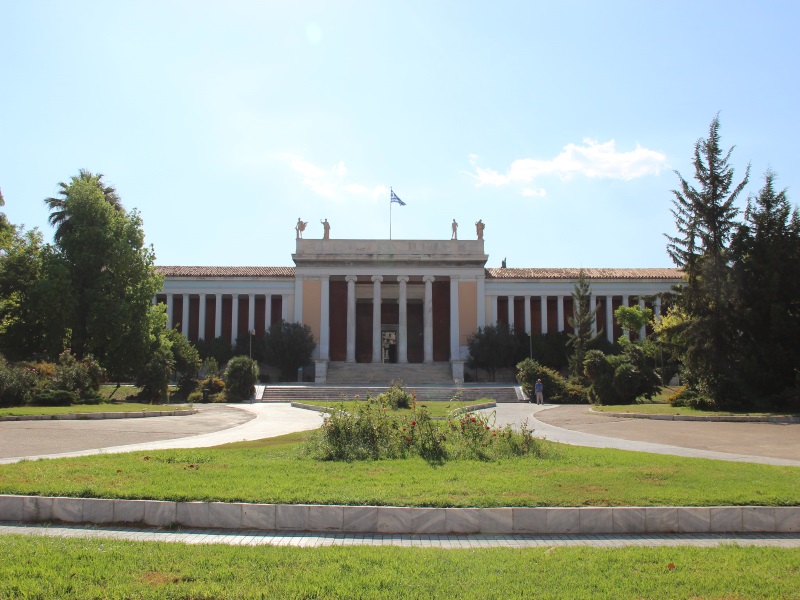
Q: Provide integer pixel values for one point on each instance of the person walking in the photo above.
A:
(539, 391)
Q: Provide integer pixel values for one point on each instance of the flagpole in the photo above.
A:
(390, 213)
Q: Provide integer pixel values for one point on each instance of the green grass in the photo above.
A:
(18, 411)
(35, 567)
(435, 409)
(272, 471)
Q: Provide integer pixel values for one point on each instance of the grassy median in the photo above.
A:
(275, 471)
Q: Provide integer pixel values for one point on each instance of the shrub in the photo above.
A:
(54, 398)
(214, 385)
(556, 388)
(397, 396)
(154, 378)
(620, 379)
(289, 347)
(691, 399)
(17, 385)
(241, 375)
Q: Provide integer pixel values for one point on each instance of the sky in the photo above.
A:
(559, 124)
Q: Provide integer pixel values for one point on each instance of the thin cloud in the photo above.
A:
(591, 159)
(332, 182)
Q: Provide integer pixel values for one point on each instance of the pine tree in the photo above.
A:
(582, 322)
(766, 251)
(705, 218)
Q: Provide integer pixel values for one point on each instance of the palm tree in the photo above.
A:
(59, 216)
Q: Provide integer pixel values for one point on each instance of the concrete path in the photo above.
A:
(315, 540)
(765, 443)
(211, 426)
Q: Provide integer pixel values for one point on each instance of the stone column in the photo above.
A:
(643, 330)
(625, 302)
(402, 326)
(155, 300)
(218, 316)
(251, 312)
(377, 350)
(324, 317)
(287, 307)
(351, 318)
(560, 313)
(234, 318)
(481, 302)
(511, 311)
(427, 312)
(298, 300)
(610, 318)
(455, 334)
(528, 315)
(170, 311)
(592, 306)
(493, 308)
(267, 311)
(543, 311)
(185, 316)
(657, 306)
(201, 318)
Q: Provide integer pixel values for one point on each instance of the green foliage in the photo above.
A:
(556, 388)
(582, 321)
(17, 384)
(372, 432)
(154, 377)
(219, 349)
(705, 219)
(494, 347)
(289, 346)
(187, 361)
(250, 345)
(620, 379)
(210, 367)
(633, 318)
(690, 399)
(550, 349)
(54, 398)
(241, 375)
(766, 248)
(79, 376)
(397, 396)
(214, 385)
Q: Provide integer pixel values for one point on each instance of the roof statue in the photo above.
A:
(454, 227)
(326, 230)
(479, 227)
(300, 228)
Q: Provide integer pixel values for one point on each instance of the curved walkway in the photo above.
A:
(765, 443)
(211, 426)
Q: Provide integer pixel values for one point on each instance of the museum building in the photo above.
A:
(395, 301)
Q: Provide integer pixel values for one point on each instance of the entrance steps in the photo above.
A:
(383, 374)
(424, 393)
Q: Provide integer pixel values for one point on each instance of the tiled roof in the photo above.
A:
(226, 271)
(558, 273)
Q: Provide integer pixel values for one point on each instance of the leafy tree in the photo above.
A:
(59, 209)
(6, 228)
(153, 377)
(705, 218)
(187, 361)
(633, 318)
(556, 388)
(493, 347)
(289, 346)
(218, 348)
(620, 379)
(111, 274)
(251, 346)
(766, 248)
(241, 375)
(583, 322)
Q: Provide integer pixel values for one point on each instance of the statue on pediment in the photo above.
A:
(300, 228)
(479, 227)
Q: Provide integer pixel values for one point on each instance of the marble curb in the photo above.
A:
(102, 415)
(720, 418)
(404, 520)
(457, 411)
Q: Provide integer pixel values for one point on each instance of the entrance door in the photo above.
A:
(389, 345)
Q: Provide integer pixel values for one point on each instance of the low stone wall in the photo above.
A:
(402, 520)
(102, 415)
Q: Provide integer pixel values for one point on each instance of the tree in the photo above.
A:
(111, 275)
(241, 375)
(493, 347)
(59, 211)
(187, 361)
(766, 251)
(583, 323)
(632, 318)
(289, 347)
(705, 218)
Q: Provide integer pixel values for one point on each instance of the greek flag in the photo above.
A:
(394, 198)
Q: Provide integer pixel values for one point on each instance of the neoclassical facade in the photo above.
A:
(395, 301)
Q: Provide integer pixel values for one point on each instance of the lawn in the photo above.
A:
(35, 567)
(435, 408)
(18, 411)
(273, 471)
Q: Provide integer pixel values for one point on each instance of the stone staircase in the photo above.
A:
(383, 374)
(424, 393)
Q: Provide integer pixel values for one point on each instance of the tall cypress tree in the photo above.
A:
(705, 217)
(582, 322)
(766, 251)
